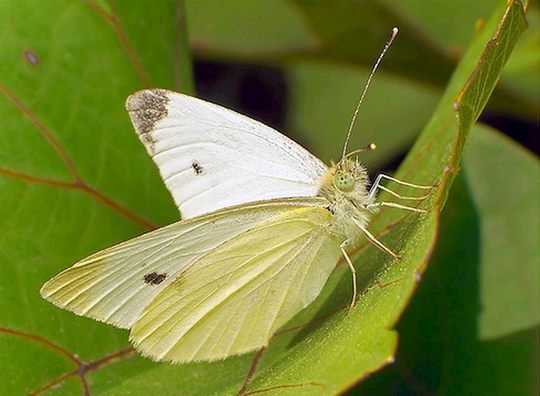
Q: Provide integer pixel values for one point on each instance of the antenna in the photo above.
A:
(369, 147)
(375, 66)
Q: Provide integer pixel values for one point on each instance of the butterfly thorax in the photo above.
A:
(345, 186)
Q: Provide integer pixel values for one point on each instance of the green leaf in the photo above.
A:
(350, 33)
(435, 19)
(74, 179)
(247, 30)
(472, 325)
(522, 73)
(503, 184)
(476, 92)
(519, 89)
(73, 176)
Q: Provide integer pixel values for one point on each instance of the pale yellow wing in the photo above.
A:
(115, 284)
(231, 300)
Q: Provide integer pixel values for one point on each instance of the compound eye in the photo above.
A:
(344, 181)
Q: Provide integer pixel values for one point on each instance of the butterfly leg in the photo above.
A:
(375, 241)
(395, 205)
(353, 272)
(376, 185)
(395, 194)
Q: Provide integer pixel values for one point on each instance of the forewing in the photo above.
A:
(211, 157)
(115, 284)
(232, 300)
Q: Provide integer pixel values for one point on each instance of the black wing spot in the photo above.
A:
(197, 167)
(153, 278)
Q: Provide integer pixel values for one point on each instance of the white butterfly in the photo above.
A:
(264, 224)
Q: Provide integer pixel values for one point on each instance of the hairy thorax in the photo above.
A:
(345, 186)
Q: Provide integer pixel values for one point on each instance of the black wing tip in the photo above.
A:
(147, 107)
(145, 97)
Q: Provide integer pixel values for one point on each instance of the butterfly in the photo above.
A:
(264, 223)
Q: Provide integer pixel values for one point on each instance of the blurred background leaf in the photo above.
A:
(329, 49)
(472, 327)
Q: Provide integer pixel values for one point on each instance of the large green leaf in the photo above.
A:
(68, 109)
(506, 198)
(73, 176)
(472, 325)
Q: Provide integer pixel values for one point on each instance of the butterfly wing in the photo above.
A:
(211, 157)
(115, 284)
(232, 300)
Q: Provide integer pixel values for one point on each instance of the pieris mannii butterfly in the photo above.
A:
(264, 223)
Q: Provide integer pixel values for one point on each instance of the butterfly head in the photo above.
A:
(344, 181)
(348, 179)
